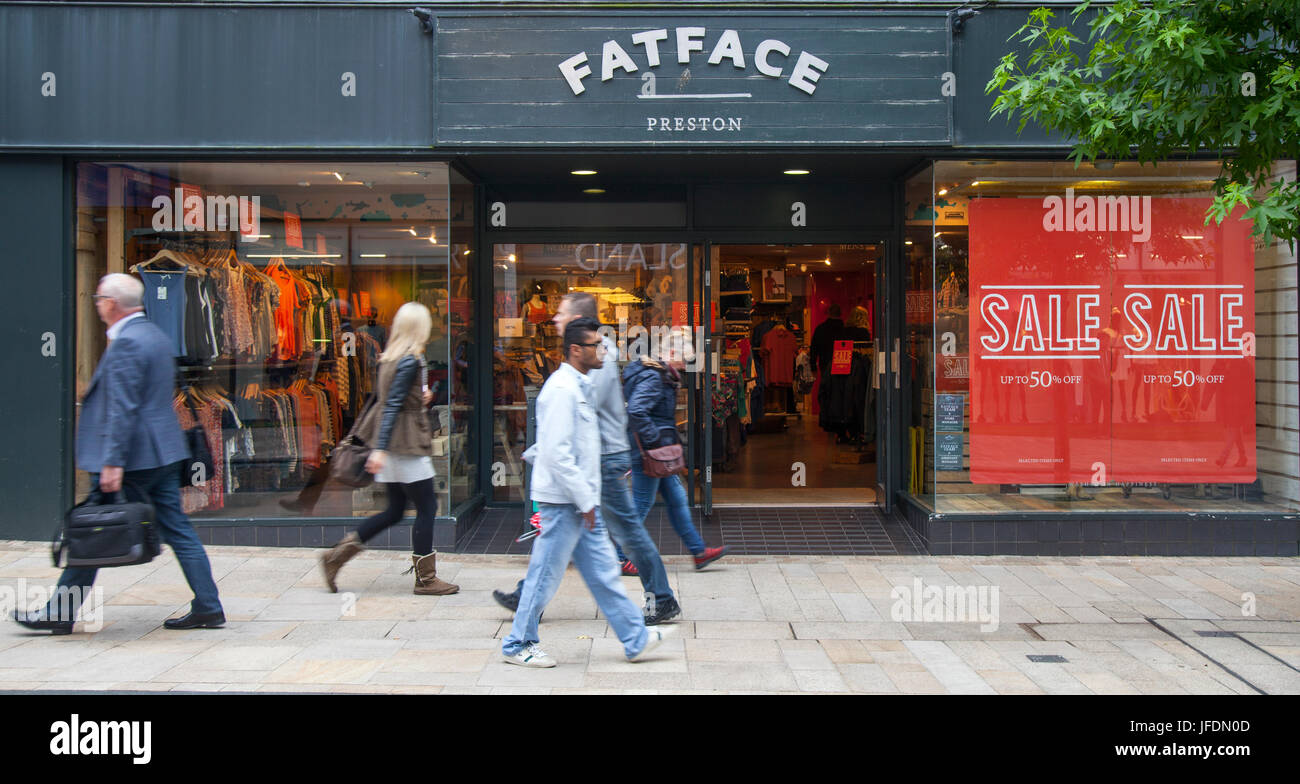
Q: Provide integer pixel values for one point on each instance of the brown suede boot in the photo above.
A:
(426, 577)
(341, 553)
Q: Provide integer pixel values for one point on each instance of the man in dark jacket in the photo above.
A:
(822, 344)
(128, 435)
(650, 387)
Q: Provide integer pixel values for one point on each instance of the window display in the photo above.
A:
(276, 284)
(1101, 342)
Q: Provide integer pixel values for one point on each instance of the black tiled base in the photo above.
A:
(759, 531)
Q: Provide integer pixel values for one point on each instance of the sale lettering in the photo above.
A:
(1037, 330)
(1181, 326)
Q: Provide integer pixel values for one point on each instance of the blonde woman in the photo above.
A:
(398, 427)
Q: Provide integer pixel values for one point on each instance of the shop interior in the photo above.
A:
(794, 398)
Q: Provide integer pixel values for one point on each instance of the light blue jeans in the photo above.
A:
(565, 538)
(674, 495)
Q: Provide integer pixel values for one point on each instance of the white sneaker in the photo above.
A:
(531, 656)
(657, 635)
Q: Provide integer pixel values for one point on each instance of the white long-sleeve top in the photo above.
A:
(566, 455)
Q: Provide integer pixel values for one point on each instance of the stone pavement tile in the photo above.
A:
(780, 606)
(1009, 682)
(476, 690)
(38, 653)
(820, 682)
(1162, 686)
(846, 651)
(1008, 583)
(521, 691)
(186, 672)
(1051, 678)
(568, 673)
(805, 655)
(142, 686)
(242, 630)
(732, 676)
(808, 630)
(743, 630)
(199, 686)
(1126, 612)
(948, 668)
(433, 630)
(1273, 679)
(820, 609)
(1104, 682)
(856, 607)
(277, 611)
(1186, 608)
(140, 661)
(316, 594)
(979, 655)
(1194, 679)
(559, 629)
(1043, 610)
(1290, 655)
(838, 582)
(24, 675)
(636, 679)
(1257, 625)
(319, 671)
(241, 608)
(424, 679)
(244, 655)
(1087, 615)
(868, 578)
(416, 690)
(911, 681)
(1099, 631)
(1272, 639)
(607, 656)
(255, 587)
(724, 608)
(450, 660)
(737, 651)
(1095, 646)
(168, 594)
(345, 629)
(965, 631)
(62, 685)
(400, 608)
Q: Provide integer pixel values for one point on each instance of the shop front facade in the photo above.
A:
(890, 302)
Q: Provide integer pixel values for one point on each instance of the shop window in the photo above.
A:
(640, 290)
(277, 283)
(1097, 347)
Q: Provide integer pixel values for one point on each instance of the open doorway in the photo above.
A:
(794, 397)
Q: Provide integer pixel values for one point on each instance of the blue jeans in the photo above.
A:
(674, 495)
(162, 486)
(627, 527)
(565, 537)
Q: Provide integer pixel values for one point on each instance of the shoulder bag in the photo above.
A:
(661, 461)
(348, 460)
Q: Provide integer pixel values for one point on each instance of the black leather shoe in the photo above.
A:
(194, 620)
(41, 622)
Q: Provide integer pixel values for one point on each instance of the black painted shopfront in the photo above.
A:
(737, 172)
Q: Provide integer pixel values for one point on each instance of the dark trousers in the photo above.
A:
(162, 486)
(426, 509)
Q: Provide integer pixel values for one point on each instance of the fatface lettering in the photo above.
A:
(767, 57)
(1099, 213)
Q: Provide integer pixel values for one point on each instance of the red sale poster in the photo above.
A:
(841, 357)
(292, 230)
(1113, 341)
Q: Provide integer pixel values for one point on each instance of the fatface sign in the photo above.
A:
(1120, 349)
(670, 79)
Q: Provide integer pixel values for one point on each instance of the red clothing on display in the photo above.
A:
(781, 346)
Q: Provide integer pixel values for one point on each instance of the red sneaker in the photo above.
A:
(629, 569)
(709, 555)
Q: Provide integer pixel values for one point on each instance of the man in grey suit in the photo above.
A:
(128, 434)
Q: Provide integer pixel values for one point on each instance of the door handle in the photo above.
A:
(894, 363)
(880, 364)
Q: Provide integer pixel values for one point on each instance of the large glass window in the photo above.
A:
(640, 291)
(1096, 345)
(277, 283)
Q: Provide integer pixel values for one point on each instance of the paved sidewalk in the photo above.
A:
(784, 624)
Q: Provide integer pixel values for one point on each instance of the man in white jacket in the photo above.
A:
(566, 487)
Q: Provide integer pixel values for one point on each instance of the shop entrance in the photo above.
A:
(790, 395)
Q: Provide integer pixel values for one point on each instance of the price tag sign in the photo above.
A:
(292, 230)
(842, 357)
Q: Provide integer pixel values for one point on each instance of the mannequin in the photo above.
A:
(535, 310)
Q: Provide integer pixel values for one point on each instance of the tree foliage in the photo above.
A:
(1172, 78)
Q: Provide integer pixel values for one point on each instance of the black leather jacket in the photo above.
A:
(404, 386)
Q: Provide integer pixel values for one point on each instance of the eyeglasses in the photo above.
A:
(104, 296)
(589, 345)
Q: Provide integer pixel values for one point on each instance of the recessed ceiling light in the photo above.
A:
(304, 183)
(907, 242)
(796, 171)
(337, 176)
(827, 262)
(593, 190)
(374, 255)
(512, 257)
(583, 172)
(943, 191)
(411, 229)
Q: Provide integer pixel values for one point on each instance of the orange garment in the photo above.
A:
(286, 333)
(309, 427)
(781, 345)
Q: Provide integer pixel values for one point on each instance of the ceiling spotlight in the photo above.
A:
(583, 172)
(943, 191)
(411, 229)
(338, 176)
(803, 267)
(907, 242)
(796, 171)
(827, 262)
(511, 257)
(593, 190)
